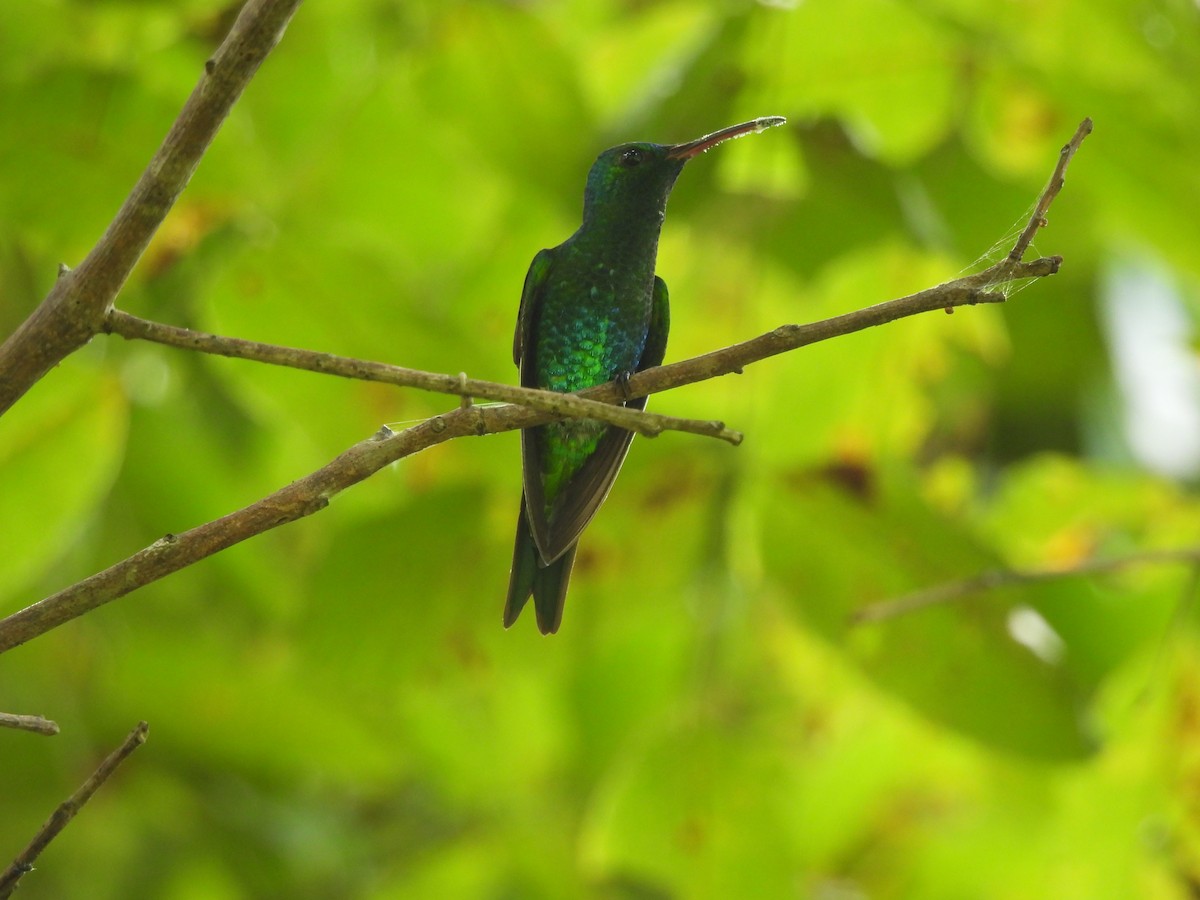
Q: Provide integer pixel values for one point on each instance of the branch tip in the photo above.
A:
(1057, 180)
(35, 724)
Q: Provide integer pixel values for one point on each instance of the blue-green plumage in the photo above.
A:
(592, 310)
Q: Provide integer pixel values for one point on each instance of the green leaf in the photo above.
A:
(60, 450)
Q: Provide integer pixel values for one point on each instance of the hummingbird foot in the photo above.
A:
(622, 382)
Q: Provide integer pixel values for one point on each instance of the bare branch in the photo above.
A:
(641, 422)
(36, 724)
(987, 581)
(966, 291)
(67, 810)
(313, 492)
(299, 499)
(74, 309)
(1057, 180)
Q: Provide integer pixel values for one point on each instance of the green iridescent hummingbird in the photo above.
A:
(592, 311)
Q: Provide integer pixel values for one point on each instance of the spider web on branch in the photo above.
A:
(999, 251)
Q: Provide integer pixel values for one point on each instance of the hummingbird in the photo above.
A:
(592, 311)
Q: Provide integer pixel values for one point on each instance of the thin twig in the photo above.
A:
(313, 492)
(967, 291)
(67, 810)
(36, 724)
(644, 423)
(1000, 578)
(1057, 180)
(73, 312)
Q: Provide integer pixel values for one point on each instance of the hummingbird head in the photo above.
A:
(634, 179)
(637, 178)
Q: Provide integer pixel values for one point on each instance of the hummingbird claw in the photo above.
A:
(622, 382)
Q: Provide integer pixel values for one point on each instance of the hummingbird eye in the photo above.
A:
(630, 157)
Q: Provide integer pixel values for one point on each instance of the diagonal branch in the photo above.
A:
(648, 424)
(966, 291)
(1057, 180)
(313, 492)
(67, 810)
(73, 312)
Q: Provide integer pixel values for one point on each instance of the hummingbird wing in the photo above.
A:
(572, 509)
(531, 302)
(533, 497)
(660, 324)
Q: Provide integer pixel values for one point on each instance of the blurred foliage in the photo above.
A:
(335, 710)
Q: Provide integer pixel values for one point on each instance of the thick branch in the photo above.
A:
(641, 422)
(74, 309)
(66, 811)
(36, 724)
(1001, 578)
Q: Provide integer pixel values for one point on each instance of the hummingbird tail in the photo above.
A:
(547, 584)
(550, 591)
(524, 569)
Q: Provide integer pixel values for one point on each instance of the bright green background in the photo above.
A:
(335, 710)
